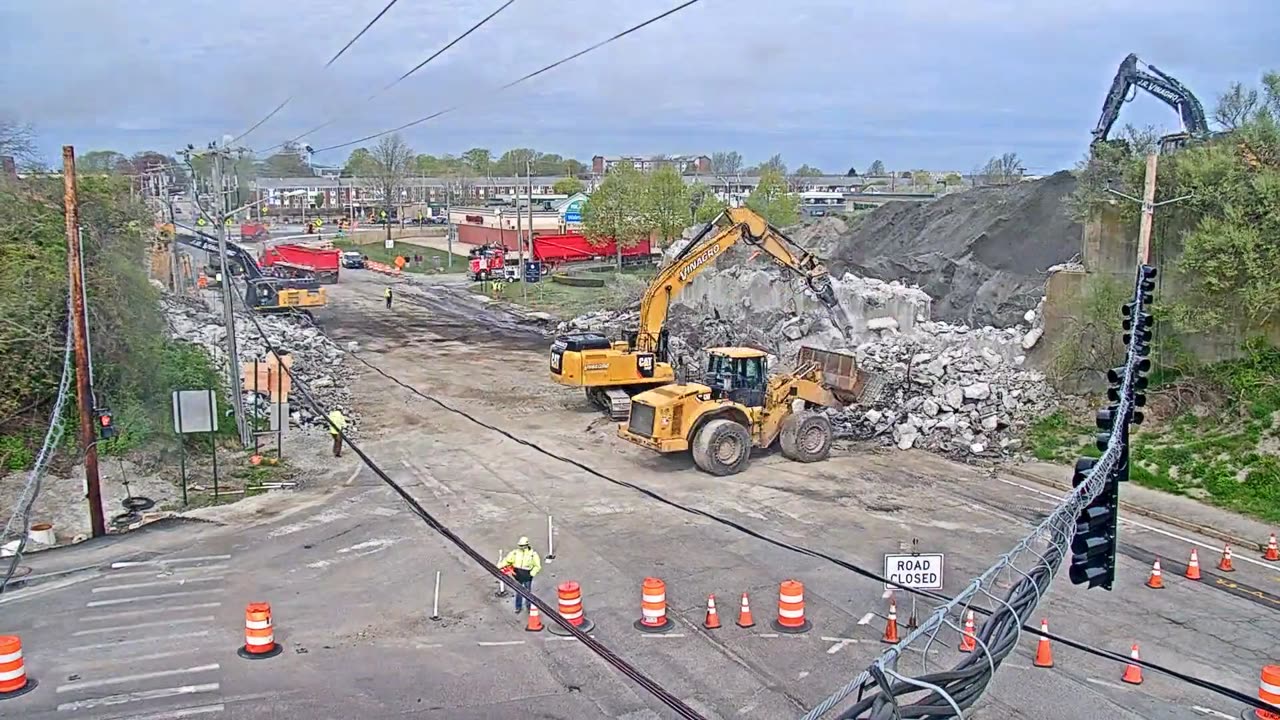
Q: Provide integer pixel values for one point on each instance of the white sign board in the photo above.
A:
(388, 243)
(921, 571)
(195, 411)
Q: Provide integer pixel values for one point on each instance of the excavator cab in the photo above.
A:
(739, 375)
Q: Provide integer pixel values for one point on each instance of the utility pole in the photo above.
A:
(79, 328)
(519, 233)
(228, 314)
(1148, 211)
(448, 221)
(524, 285)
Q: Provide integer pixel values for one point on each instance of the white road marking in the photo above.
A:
(179, 713)
(123, 698)
(549, 638)
(660, 635)
(115, 661)
(1104, 683)
(354, 474)
(840, 639)
(158, 583)
(85, 684)
(167, 561)
(142, 598)
(767, 635)
(500, 643)
(369, 547)
(1211, 712)
(866, 619)
(157, 623)
(839, 645)
(99, 646)
(324, 518)
(428, 646)
(149, 611)
(160, 572)
(803, 674)
(1144, 526)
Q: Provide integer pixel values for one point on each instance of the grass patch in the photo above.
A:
(431, 257)
(620, 290)
(1056, 438)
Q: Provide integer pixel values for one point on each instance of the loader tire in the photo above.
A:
(806, 437)
(722, 447)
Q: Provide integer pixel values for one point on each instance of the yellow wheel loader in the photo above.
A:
(611, 371)
(739, 406)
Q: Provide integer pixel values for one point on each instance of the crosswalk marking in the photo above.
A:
(135, 626)
(142, 598)
(160, 572)
(135, 641)
(157, 583)
(178, 713)
(167, 561)
(149, 611)
(122, 698)
(86, 684)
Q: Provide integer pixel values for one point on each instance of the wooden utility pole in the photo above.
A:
(79, 327)
(220, 217)
(524, 285)
(1148, 211)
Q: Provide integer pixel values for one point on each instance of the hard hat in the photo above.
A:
(524, 542)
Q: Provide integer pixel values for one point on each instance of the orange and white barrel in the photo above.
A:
(259, 635)
(13, 671)
(791, 617)
(1269, 692)
(569, 598)
(653, 607)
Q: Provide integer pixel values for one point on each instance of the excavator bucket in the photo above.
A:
(841, 375)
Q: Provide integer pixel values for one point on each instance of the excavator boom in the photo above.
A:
(1159, 84)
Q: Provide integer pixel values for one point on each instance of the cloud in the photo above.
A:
(828, 82)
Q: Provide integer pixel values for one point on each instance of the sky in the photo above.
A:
(937, 84)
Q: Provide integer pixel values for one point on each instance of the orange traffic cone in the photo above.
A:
(535, 620)
(1225, 563)
(744, 615)
(713, 618)
(1155, 582)
(1044, 653)
(1273, 551)
(1193, 566)
(891, 627)
(1133, 673)
(968, 641)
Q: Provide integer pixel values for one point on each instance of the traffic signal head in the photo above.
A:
(106, 426)
(1093, 547)
(1147, 278)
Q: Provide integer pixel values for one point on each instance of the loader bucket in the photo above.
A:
(840, 374)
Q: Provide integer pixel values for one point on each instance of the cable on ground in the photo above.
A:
(517, 81)
(651, 686)
(802, 550)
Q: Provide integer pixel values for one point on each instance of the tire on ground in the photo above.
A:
(714, 444)
(806, 437)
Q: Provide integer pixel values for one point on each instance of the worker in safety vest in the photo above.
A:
(525, 562)
(387, 294)
(337, 422)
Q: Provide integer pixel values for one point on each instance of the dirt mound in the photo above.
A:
(980, 254)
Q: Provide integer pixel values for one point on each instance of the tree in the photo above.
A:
(102, 161)
(953, 180)
(709, 206)
(616, 210)
(574, 168)
(479, 160)
(1236, 106)
(567, 186)
(667, 202)
(513, 161)
(360, 163)
(772, 201)
(317, 200)
(807, 171)
(288, 162)
(391, 157)
(1003, 169)
(921, 178)
(774, 164)
(725, 165)
(853, 172)
(18, 140)
(876, 169)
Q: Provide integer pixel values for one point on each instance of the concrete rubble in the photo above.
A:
(318, 362)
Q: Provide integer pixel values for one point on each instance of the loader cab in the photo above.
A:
(739, 375)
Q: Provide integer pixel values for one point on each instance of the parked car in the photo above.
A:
(352, 259)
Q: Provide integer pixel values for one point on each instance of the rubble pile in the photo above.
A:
(317, 361)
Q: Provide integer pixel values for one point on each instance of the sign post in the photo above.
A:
(918, 571)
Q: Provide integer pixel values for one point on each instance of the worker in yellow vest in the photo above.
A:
(525, 562)
(337, 423)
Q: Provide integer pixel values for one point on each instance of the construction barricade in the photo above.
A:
(569, 597)
(653, 607)
(259, 636)
(13, 671)
(791, 617)
(1269, 692)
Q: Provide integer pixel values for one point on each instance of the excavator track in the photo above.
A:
(615, 401)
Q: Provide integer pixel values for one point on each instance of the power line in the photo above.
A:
(664, 696)
(333, 59)
(803, 550)
(519, 80)
(397, 81)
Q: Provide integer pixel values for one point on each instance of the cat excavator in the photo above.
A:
(1162, 86)
(262, 292)
(611, 371)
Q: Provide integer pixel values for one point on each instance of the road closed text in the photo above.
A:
(923, 571)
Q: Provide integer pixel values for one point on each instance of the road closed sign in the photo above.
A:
(921, 571)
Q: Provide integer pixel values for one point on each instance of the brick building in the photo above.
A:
(685, 164)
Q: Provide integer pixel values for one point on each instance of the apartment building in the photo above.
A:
(685, 164)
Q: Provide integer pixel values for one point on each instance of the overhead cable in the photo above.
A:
(333, 59)
(397, 81)
(517, 81)
(652, 687)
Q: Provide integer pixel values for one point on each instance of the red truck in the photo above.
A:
(553, 250)
(486, 261)
(290, 260)
(253, 232)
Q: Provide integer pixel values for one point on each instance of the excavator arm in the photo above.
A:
(1157, 83)
(732, 226)
(200, 241)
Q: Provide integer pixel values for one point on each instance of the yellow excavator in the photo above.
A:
(612, 371)
(739, 406)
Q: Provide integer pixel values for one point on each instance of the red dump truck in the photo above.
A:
(289, 260)
(253, 232)
(556, 249)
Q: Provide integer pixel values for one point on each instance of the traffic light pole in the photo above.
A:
(79, 329)
(228, 313)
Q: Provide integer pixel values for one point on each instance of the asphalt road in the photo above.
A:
(147, 626)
